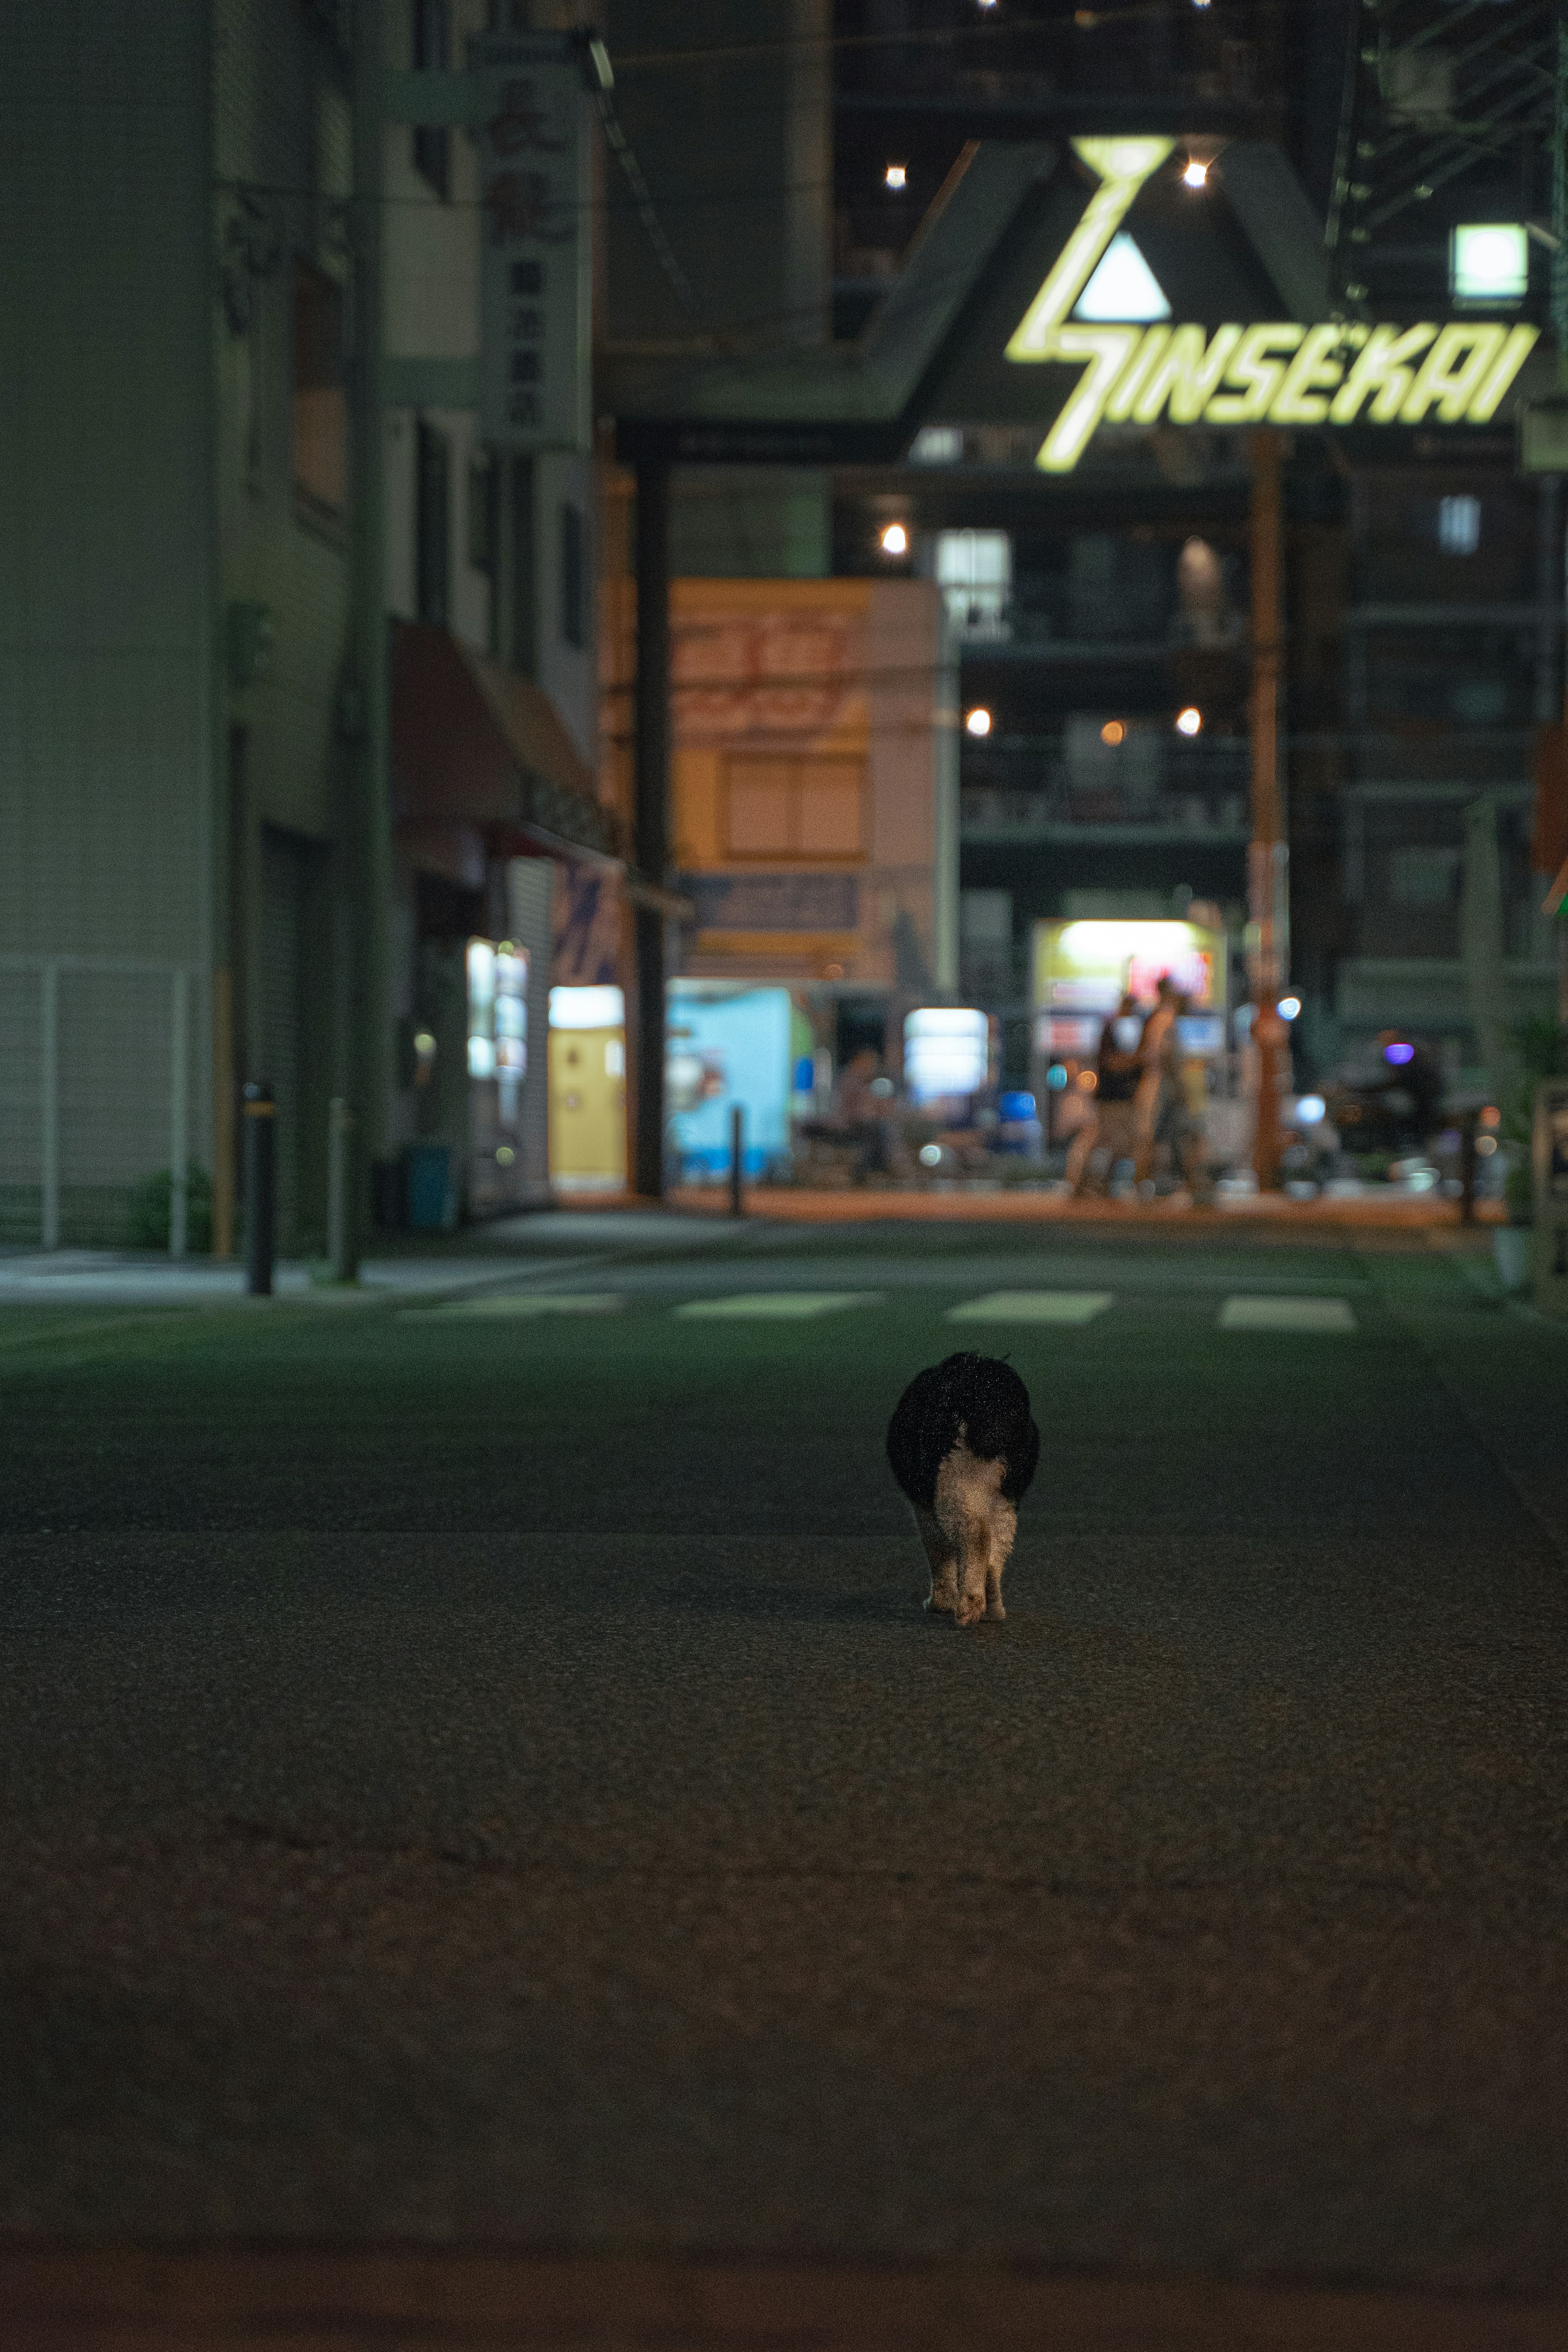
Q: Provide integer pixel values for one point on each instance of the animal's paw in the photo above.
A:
(971, 1608)
(942, 1604)
(994, 1607)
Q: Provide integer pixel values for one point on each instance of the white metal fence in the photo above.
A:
(95, 1082)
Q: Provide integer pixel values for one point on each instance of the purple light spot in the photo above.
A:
(1399, 1052)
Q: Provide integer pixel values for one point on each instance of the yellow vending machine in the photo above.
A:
(588, 1089)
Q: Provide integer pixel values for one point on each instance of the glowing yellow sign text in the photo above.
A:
(1281, 373)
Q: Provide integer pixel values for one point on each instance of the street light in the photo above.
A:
(978, 721)
(1189, 722)
(895, 539)
(896, 175)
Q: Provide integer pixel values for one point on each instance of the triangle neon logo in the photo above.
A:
(1124, 287)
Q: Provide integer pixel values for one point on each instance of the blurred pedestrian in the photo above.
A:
(1179, 1121)
(1413, 1071)
(862, 1111)
(1158, 1074)
(1116, 1072)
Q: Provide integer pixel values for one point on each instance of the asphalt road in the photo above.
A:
(483, 1777)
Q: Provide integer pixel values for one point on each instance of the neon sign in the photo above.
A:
(1277, 373)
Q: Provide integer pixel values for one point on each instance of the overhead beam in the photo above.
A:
(1060, 115)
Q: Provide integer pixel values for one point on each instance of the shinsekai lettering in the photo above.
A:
(1281, 374)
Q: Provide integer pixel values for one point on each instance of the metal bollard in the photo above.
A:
(260, 1187)
(737, 1160)
(1468, 1121)
(342, 1244)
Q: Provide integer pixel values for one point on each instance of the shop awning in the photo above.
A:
(475, 745)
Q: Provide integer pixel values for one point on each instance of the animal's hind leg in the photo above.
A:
(1004, 1526)
(944, 1593)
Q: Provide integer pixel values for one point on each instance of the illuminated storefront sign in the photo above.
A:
(1084, 969)
(1279, 372)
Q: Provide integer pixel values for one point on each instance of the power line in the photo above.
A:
(1078, 21)
(652, 226)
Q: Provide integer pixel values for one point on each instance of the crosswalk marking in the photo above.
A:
(775, 1306)
(1286, 1314)
(1033, 1307)
(512, 1304)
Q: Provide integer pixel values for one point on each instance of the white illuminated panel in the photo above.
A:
(1489, 261)
(498, 1017)
(587, 1008)
(946, 1052)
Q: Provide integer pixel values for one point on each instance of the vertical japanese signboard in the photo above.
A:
(536, 243)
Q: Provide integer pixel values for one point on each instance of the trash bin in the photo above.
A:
(427, 1187)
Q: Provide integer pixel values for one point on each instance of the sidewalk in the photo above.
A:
(1411, 1212)
(551, 1241)
(510, 1251)
(98, 1277)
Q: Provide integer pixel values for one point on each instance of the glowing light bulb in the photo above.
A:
(1189, 722)
(978, 722)
(1195, 174)
(1288, 1007)
(895, 539)
(896, 175)
(1113, 731)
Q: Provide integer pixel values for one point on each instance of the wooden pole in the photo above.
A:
(651, 803)
(1265, 853)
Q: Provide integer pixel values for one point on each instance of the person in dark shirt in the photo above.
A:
(1117, 1069)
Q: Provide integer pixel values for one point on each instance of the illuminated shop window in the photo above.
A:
(1458, 525)
(498, 1018)
(975, 573)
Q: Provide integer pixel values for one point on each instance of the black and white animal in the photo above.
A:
(963, 1445)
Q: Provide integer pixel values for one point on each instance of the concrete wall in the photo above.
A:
(107, 604)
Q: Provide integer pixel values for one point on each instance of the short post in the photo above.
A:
(737, 1159)
(342, 1253)
(179, 1117)
(260, 1187)
(49, 1104)
(1469, 1122)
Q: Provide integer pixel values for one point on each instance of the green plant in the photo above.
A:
(147, 1211)
(1541, 1051)
(1519, 1192)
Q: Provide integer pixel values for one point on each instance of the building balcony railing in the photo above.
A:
(988, 813)
(1151, 781)
(988, 619)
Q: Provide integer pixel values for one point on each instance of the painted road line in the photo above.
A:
(774, 1305)
(1033, 1306)
(1286, 1314)
(510, 1304)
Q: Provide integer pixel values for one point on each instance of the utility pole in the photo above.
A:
(370, 845)
(652, 708)
(1267, 852)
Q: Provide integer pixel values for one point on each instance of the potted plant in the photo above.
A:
(1512, 1243)
(1539, 1046)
